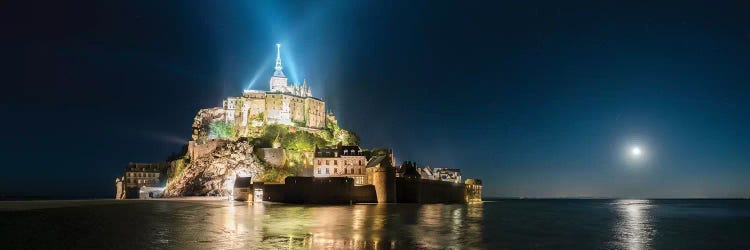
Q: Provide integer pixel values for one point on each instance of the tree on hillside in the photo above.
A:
(301, 141)
(221, 130)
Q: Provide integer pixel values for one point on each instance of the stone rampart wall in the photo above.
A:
(272, 156)
(273, 192)
(334, 190)
(338, 190)
(196, 150)
(434, 191)
(364, 194)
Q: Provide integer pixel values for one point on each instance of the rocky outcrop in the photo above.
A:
(202, 119)
(213, 174)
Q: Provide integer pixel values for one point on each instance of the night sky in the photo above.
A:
(537, 98)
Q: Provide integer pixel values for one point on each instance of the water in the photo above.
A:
(504, 224)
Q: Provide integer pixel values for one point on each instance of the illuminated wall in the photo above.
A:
(315, 116)
(274, 108)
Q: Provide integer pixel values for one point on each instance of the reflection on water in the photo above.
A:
(634, 228)
(505, 224)
(366, 226)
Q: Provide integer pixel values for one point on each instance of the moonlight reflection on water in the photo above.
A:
(504, 224)
(634, 229)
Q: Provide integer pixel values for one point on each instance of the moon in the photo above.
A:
(636, 151)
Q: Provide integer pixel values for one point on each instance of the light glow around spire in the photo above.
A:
(278, 72)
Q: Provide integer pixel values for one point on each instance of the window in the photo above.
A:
(352, 170)
(318, 162)
(328, 162)
(360, 171)
(335, 162)
(327, 171)
(318, 170)
(360, 162)
(335, 170)
(344, 170)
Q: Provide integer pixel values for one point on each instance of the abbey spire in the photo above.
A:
(278, 80)
(278, 72)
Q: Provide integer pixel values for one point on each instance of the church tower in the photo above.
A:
(278, 80)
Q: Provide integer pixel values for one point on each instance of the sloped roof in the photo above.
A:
(375, 160)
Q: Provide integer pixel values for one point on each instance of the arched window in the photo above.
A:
(360, 162)
(352, 170)
(360, 171)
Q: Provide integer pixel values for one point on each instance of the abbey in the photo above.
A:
(282, 104)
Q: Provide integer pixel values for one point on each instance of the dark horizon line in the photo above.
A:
(499, 198)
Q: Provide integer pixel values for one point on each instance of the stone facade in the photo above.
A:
(139, 177)
(448, 174)
(315, 113)
(342, 161)
(473, 190)
(255, 108)
(145, 174)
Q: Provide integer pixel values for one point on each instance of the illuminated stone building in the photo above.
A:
(342, 161)
(282, 104)
(145, 174)
(473, 190)
(448, 174)
(144, 180)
